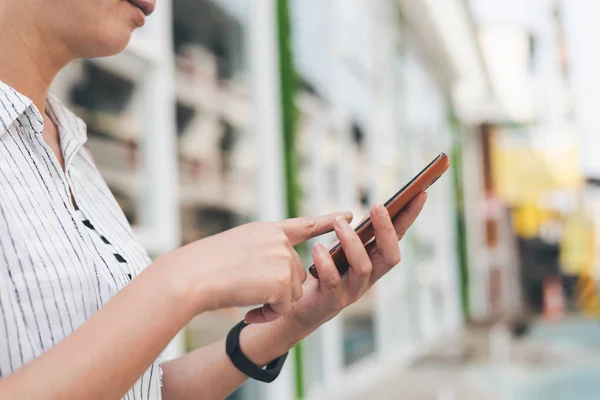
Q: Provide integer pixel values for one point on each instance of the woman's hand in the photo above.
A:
(253, 264)
(325, 297)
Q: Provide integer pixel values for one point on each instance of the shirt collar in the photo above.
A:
(13, 105)
(70, 125)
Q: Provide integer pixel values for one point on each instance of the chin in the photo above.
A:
(107, 45)
(115, 44)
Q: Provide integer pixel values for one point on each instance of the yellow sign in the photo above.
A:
(577, 245)
(528, 218)
(524, 169)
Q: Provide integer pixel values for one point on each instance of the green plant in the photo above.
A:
(289, 118)
(461, 232)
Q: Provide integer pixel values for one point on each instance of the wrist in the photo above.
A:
(192, 294)
(302, 327)
(262, 343)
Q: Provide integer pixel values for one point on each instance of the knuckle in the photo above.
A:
(309, 224)
(364, 270)
(277, 294)
(333, 283)
(303, 274)
(282, 238)
(298, 293)
(287, 256)
(285, 278)
(393, 259)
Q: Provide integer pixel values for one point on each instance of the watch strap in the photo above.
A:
(242, 363)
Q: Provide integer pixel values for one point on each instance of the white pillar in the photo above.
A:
(159, 215)
(331, 333)
(265, 86)
(327, 341)
(264, 74)
(381, 123)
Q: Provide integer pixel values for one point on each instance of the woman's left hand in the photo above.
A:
(325, 297)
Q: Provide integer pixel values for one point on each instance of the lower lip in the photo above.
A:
(140, 17)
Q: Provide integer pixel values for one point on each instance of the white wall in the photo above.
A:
(582, 32)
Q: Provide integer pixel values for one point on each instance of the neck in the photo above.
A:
(29, 61)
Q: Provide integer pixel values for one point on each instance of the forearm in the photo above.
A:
(105, 356)
(207, 373)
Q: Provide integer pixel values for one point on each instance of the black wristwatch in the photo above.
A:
(241, 362)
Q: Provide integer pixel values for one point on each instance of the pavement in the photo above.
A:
(555, 361)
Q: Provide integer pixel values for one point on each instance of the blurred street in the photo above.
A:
(558, 361)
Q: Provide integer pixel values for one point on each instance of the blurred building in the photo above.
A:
(580, 30)
(537, 216)
(185, 126)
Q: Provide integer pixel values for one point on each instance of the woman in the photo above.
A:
(78, 317)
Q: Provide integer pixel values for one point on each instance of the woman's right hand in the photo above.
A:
(253, 264)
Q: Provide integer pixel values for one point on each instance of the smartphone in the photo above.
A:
(420, 183)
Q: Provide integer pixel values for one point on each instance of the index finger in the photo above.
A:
(301, 229)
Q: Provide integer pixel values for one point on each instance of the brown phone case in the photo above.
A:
(394, 205)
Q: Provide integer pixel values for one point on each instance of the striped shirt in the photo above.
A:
(58, 264)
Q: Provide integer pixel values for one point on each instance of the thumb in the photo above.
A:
(301, 229)
(261, 315)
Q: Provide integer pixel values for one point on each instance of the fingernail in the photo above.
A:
(316, 248)
(322, 249)
(341, 223)
(380, 210)
(347, 215)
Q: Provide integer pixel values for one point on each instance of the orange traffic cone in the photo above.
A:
(554, 299)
